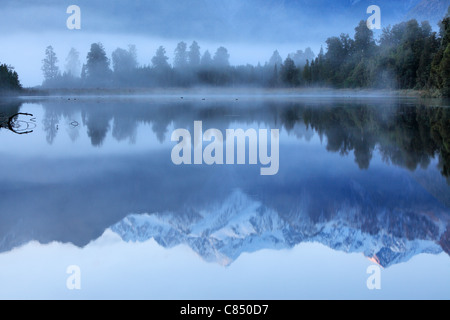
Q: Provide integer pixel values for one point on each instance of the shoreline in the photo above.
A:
(222, 91)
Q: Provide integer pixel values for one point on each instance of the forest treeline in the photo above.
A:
(408, 55)
(9, 79)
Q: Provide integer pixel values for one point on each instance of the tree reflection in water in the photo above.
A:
(406, 135)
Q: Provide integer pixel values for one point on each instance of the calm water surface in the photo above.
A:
(90, 182)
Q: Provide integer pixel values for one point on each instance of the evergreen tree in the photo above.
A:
(307, 74)
(194, 55)
(364, 44)
(221, 58)
(289, 73)
(162, 72)
(160, 59)
(49, 65)
(276, 59)
(206, 60)
(9, 79)
(124, 61)
(97, 65)
(125, 66)
(320, 67)
(181, 56)
(337, 55)
(73, 63)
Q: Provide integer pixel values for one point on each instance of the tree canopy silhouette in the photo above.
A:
(407, 55)
(9, 79)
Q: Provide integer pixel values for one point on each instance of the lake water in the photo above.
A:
(362, 195)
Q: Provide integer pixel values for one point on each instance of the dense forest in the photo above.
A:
(9, 79)
(408, 55)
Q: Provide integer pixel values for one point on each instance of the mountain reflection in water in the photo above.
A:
(357, 175)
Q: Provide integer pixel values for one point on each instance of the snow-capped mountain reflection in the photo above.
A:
(222, 232)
